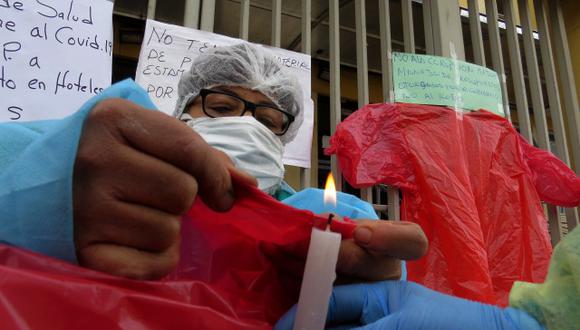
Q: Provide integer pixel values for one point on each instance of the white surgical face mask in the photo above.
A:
(251, 146)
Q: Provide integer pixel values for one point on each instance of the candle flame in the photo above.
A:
(330, 191)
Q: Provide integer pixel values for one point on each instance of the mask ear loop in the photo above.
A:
(190, 100)
(185, 117)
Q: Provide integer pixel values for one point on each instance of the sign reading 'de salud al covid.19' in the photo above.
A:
(168, 50)
(54, 56)
(435, 80)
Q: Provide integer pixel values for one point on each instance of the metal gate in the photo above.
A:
(540, 96)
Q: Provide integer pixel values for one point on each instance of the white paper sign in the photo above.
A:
(167, 52)
(54, 56)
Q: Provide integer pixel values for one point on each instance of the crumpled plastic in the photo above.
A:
(554, 181)
(224, 279)
(473, 185)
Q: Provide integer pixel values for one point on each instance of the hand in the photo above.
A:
(373, 254)
(376, 251)
(136, 172)
(407, 305)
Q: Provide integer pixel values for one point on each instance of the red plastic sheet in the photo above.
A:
(554, 181)
(471, 182)
(224, 279)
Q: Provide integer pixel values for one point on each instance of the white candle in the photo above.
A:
(319, 274)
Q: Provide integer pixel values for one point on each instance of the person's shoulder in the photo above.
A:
(346, 205)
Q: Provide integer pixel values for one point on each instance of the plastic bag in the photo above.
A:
(224, 279)
(554, 181)
(470, 182)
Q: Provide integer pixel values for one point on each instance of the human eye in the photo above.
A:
(268, 122)
(222, 108)
(270, 118)
(222, 105)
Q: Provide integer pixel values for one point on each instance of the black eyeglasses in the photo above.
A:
(217, 104)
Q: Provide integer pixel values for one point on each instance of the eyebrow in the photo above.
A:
(226, 89)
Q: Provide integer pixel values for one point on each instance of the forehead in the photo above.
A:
(246, 94)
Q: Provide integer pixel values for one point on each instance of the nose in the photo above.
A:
(247, 112)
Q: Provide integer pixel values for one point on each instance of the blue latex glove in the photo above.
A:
(407, 305)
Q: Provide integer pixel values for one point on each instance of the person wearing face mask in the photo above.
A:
(241, 101)
(252, 143)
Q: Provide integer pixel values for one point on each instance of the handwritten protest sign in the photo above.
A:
(167, 52)
(54, 55)
(438, 80)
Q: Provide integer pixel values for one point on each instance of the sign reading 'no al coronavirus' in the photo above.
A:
(168, 51)
(54, 56)
(426, 79)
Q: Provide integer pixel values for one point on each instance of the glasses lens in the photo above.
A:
(222, 105)
(217, 104)
(274, 119)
